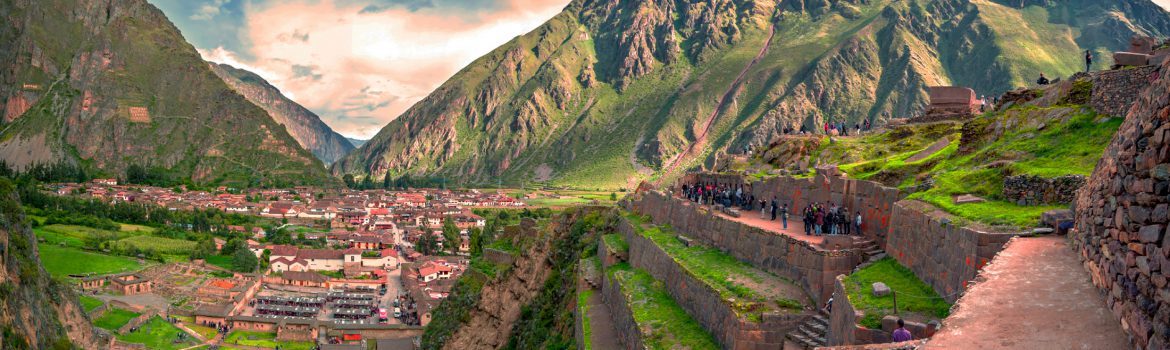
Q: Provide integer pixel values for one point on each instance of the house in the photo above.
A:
(304, 279)
(386, 259)
(434, 270)
(106, 182)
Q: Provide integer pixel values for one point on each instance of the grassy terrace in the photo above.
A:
(158, 334)
(89, 303)
(583, 310)
(664, 324)
(64, 261)
(616, 241)
(113, 319)
(916, 300)
(264, 340)
(750, 291)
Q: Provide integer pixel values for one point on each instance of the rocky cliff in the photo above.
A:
(109, 84)
(36, 312)
(304, 126)
(609, 93)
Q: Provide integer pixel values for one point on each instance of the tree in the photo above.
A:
(451, 235)
(475, 236)
(427, 244)
(264, 257)
(203, 249)
(232, 245)
(613, 196)
(387, 181)
(348, 179)
(243, 260)
(367, 182)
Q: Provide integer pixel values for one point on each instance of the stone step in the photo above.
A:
(811, 335)
(877, 257)
(821, 319)
(874, 251)
(802, 340)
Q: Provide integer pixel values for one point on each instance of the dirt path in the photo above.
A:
(1037, 296)
(603, 335)
(728, 97)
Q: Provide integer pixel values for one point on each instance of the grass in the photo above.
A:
(583, 310)
(158, 334)
(72, 235)
(64, 261)
(616, 241)
(723, 273)
(223, 261)
(664, 324)
(161, 245)
(113, 319)
(206, 332)
(89, 303)
(916, 299)
(264, 340)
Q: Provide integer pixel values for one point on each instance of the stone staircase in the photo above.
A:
(811, 333)
(870, 249)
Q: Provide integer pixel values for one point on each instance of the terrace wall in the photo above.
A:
(942, 254)
(812, 267)
(623, 318)
(703, 303)
(1115, 91)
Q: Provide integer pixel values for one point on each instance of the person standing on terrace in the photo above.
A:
(901, 334)
(784, 216)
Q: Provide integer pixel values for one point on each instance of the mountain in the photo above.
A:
(109, 84)
(355, 142)
(36, 311)
(304, 126)
(610, 93)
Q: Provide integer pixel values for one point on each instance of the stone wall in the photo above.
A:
(941, 253)
(1115, 91)
(704, 304)
(1036, 190)
(623, 318)
(498, 256)
(1121, 218)
(810, 266)
(874, 201)
(842, 318)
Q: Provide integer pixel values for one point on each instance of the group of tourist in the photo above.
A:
(833, 220)
(1088, 67)
(722, 194)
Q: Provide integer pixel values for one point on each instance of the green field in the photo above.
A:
(64, 261)
(113, 319)
(664, 324)
(89, 303)
(265, 340)
(223, 261)
(917, 301)
(158, 334)
(72, 235)
(161, 245)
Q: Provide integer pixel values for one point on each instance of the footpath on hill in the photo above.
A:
(1037, 296)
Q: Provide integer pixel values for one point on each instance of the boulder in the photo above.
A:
(1130, 59)
(966, 198)
(880, 289)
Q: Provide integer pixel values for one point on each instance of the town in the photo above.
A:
(359, 264)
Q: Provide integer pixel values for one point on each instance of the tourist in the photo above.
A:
(1088, 61)
(1042, 80)
(774, 208)
(763, 209)
(831, 222)
(901, 334)
(982, 104)
(784, 216)
(819, 221)
(844, 221)
(808, 220)
(857, 223)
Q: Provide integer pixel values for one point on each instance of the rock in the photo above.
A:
(1130, 59)
(686, 241)
(1043, 231)
(880, 289)
(1150, 234)
(966, 198)
(1161, 172)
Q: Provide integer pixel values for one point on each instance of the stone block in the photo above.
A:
(1130, 59)
(880, 289)
(1150, 233)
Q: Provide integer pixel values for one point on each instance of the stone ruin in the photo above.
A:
(1143, 50)
(949, 103)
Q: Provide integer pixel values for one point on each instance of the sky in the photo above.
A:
(357, 64)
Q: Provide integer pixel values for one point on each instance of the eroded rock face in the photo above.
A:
(36, 312)
(1121, 217)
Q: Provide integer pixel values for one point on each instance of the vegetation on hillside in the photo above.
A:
(663, 322)
(916, 300)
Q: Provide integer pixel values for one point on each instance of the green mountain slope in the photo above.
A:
(304, 126)
(610, 93)
(111, 84)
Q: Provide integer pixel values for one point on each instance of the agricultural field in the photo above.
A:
(161, 245)
(264, 340)
(158, 334)
(89, 303)
(114, 319)
(63, 261)
(223, 261)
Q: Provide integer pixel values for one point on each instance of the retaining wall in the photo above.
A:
(623, 318)
(1115, 91)
(941, 253)
(1036, 190)
(812, 267)
(704, 304)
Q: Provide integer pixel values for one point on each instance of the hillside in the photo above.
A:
(107, 85)
(607, 94)
(36, 311)
(304, 126)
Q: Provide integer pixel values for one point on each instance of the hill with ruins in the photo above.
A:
(607, 94)
(106, 86)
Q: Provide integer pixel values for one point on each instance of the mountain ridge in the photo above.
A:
(606, 93)
(304, 125)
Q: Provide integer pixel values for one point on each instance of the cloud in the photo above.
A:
(1164, 3)
(209, 10)
(359, 69)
